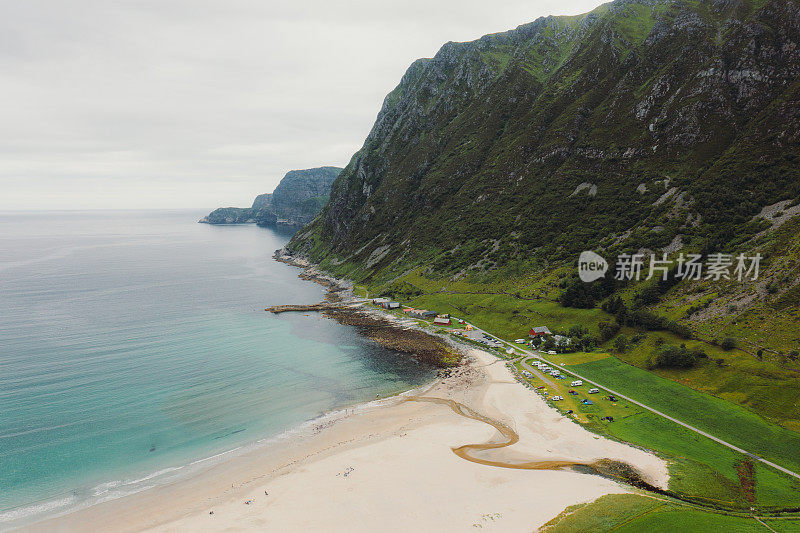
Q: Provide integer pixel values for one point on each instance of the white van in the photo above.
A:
(576, 383)
(552, 352)
(594, 391)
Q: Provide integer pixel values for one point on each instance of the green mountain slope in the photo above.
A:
(646, 125)
(478, 157)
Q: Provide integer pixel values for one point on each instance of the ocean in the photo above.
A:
(134, 347)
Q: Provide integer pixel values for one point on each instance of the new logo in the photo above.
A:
(591, 267)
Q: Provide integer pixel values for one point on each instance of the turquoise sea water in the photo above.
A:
(134, 346)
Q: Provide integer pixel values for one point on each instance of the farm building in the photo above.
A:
(441, 321)
(539, 331)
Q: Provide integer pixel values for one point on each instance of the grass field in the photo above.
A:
(699, 467)
(723, 419)
(732, 375)
(633, 513)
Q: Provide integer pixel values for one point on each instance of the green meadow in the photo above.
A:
(700, 468)
(723, 419)
(633, 513)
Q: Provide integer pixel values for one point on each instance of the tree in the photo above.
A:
(549, 344)
(577, 331)
(622, 315)
(621, 343)
(577, 294)
(671, 356)
(612, 305)
(728, 344)
(607, 330)
(588, 343)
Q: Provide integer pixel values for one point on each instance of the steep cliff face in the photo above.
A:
(297, 199)
(262, 200)
(301, 194)
(645, 124)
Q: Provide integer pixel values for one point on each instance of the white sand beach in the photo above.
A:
(390, 468)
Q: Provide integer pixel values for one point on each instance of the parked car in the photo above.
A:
(557, 398)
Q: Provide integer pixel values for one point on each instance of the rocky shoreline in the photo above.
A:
(342, 307)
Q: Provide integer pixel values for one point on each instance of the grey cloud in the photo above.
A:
(178, 103)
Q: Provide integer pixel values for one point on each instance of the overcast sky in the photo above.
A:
(192, 103)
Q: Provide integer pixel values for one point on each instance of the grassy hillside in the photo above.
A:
(634, 513)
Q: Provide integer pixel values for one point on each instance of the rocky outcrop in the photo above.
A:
(241, 215)
(297, 199)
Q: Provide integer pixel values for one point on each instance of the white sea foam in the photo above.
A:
(21, 513)
(115, 489)
(216, 456)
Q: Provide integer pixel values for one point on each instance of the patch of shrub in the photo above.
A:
(621, 343)
(728, 344)
(607, 330)
(671, 356)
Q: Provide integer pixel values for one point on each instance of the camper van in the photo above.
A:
(576, 383)
(594, 391)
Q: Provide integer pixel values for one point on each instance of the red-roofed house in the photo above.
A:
(539, 331)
